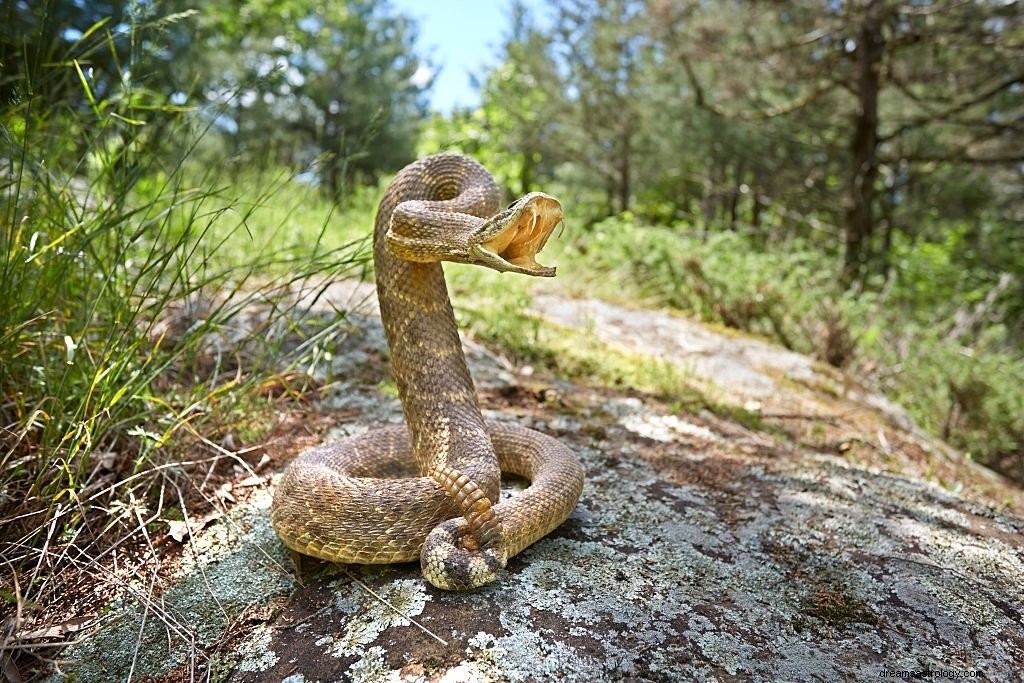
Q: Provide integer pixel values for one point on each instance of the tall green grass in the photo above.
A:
(146, 304)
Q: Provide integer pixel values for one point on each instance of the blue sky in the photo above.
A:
(459, 37)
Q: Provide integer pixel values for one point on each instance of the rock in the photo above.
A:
(701, 550)
(743, 364)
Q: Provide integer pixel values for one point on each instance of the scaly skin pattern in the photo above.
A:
(360, 500)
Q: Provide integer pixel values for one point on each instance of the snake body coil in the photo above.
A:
(430, 490)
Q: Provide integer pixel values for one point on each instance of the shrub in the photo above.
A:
(930, 336)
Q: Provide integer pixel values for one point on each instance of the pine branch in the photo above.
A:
(998, 160)
(701, 100)
(955, 109)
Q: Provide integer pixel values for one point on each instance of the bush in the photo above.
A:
(930, 336)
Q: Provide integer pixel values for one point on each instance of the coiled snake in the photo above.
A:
(430, 490)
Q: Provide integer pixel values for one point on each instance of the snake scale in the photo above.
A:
(430, 490)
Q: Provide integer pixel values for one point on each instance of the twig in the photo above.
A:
(932, 565)
(17, 602)
(395, 609)
(308, 617)
(831, 419)
(965, 322)
(198, 564)
(151, 470)
(142, 627)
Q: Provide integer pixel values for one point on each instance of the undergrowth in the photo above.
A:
(150, 317)
(930, 337)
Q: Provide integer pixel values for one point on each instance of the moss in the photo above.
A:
(837, 609)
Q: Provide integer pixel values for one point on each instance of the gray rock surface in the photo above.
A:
(701, 550)
(745, 365)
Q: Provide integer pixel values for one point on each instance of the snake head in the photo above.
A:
(429, 231)
(510, 241)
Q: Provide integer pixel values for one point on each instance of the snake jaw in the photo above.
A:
(511, 240)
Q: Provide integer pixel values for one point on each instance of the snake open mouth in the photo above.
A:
(526, 227)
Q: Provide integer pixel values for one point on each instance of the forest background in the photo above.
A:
(842, 177)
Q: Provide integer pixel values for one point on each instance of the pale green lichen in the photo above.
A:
(255, 653)
(782, 567)
(406, 599)
(663, 428)
(371, 667)
(235, 564)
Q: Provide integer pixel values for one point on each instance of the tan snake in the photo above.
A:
(431, 490)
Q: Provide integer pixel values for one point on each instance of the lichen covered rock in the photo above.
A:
(702, 549)
(685, 561)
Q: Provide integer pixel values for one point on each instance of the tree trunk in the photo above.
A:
(757, 212)
(526, 173)
(860, 220)
(625, 171)
(757, 207)
(735, 193)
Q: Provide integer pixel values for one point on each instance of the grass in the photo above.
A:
(114, 301)
(572, 353)
(148, 325)
(501, 318)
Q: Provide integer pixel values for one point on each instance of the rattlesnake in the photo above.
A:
(384, 496)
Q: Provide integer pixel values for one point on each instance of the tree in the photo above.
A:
(520, 99)
(574, 95)
(904, 84)
(329, 85)
(601, 95)
(602, 52)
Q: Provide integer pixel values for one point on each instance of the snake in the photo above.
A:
(430, 490)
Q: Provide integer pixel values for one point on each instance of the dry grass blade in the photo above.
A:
(11, 629)
(379, 598)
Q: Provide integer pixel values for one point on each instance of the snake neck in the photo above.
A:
(436, 390)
